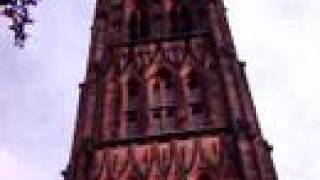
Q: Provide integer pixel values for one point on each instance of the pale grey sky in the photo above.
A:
(39, 85)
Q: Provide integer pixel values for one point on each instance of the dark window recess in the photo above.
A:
(116, 24)
(158, 16)
(144, 24)
(214, 65)
(142, 3)
(156, 94)
(167, 78)
(132, 89)
(140, 27)
(132, 116)
(201, 3)
(171, 111)
(116, 6)
(156, 114)
(197, 109)
(193, 83)
(133, 26)
(169, 83)
(156, 86)
(101, 14)
(174, 19)
(202, 17)
(157, 1)
(186, 18)
(202, 11)
(204, 175)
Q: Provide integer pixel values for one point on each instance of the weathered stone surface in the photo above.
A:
(165, 97)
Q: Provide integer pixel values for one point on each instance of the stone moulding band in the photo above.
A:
(177, 135)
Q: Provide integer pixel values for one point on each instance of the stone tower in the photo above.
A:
(166, 98)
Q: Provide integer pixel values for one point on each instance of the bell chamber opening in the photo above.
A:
(167, 19)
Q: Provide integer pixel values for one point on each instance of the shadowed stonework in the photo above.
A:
(165, 97)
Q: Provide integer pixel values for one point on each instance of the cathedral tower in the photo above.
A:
(166, 98)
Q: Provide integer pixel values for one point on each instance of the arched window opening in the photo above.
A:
(156, 95)
(132, 111)
(174, 19)
(139, 23)
(198, 115)
(194, 89)
(164, 100)
(157, 26)
(195, 100)
(186, 18)
(201, 15)
(169, 99)
(133, 94)
(145, 23)
(116, 109)
(133, 26)
(155, 107)
(168, 87)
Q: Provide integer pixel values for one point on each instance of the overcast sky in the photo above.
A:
(279, 40)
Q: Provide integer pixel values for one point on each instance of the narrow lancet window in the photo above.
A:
(164, 101)
(201, 15)
(132, 111)
(195, 100)
(186, 18)
(139, 22)
(174, 19)
(145, 23)
(194, 94)
(133, 26)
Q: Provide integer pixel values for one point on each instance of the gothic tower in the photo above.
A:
(166, 98)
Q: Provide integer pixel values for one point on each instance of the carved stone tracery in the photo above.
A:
(165, 98)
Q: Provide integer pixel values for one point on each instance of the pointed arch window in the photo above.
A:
(186, 18)
(144, 23)
(156, 94)
(174, 19)
(195, 100)
(181, 17)
(133, 26)
(194, 88)
(132, 108)
(116, 109)
(164, 100)
(139, 22)
(202, 15)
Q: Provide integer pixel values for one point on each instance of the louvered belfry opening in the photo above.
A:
(159, 19)
(166, 98)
